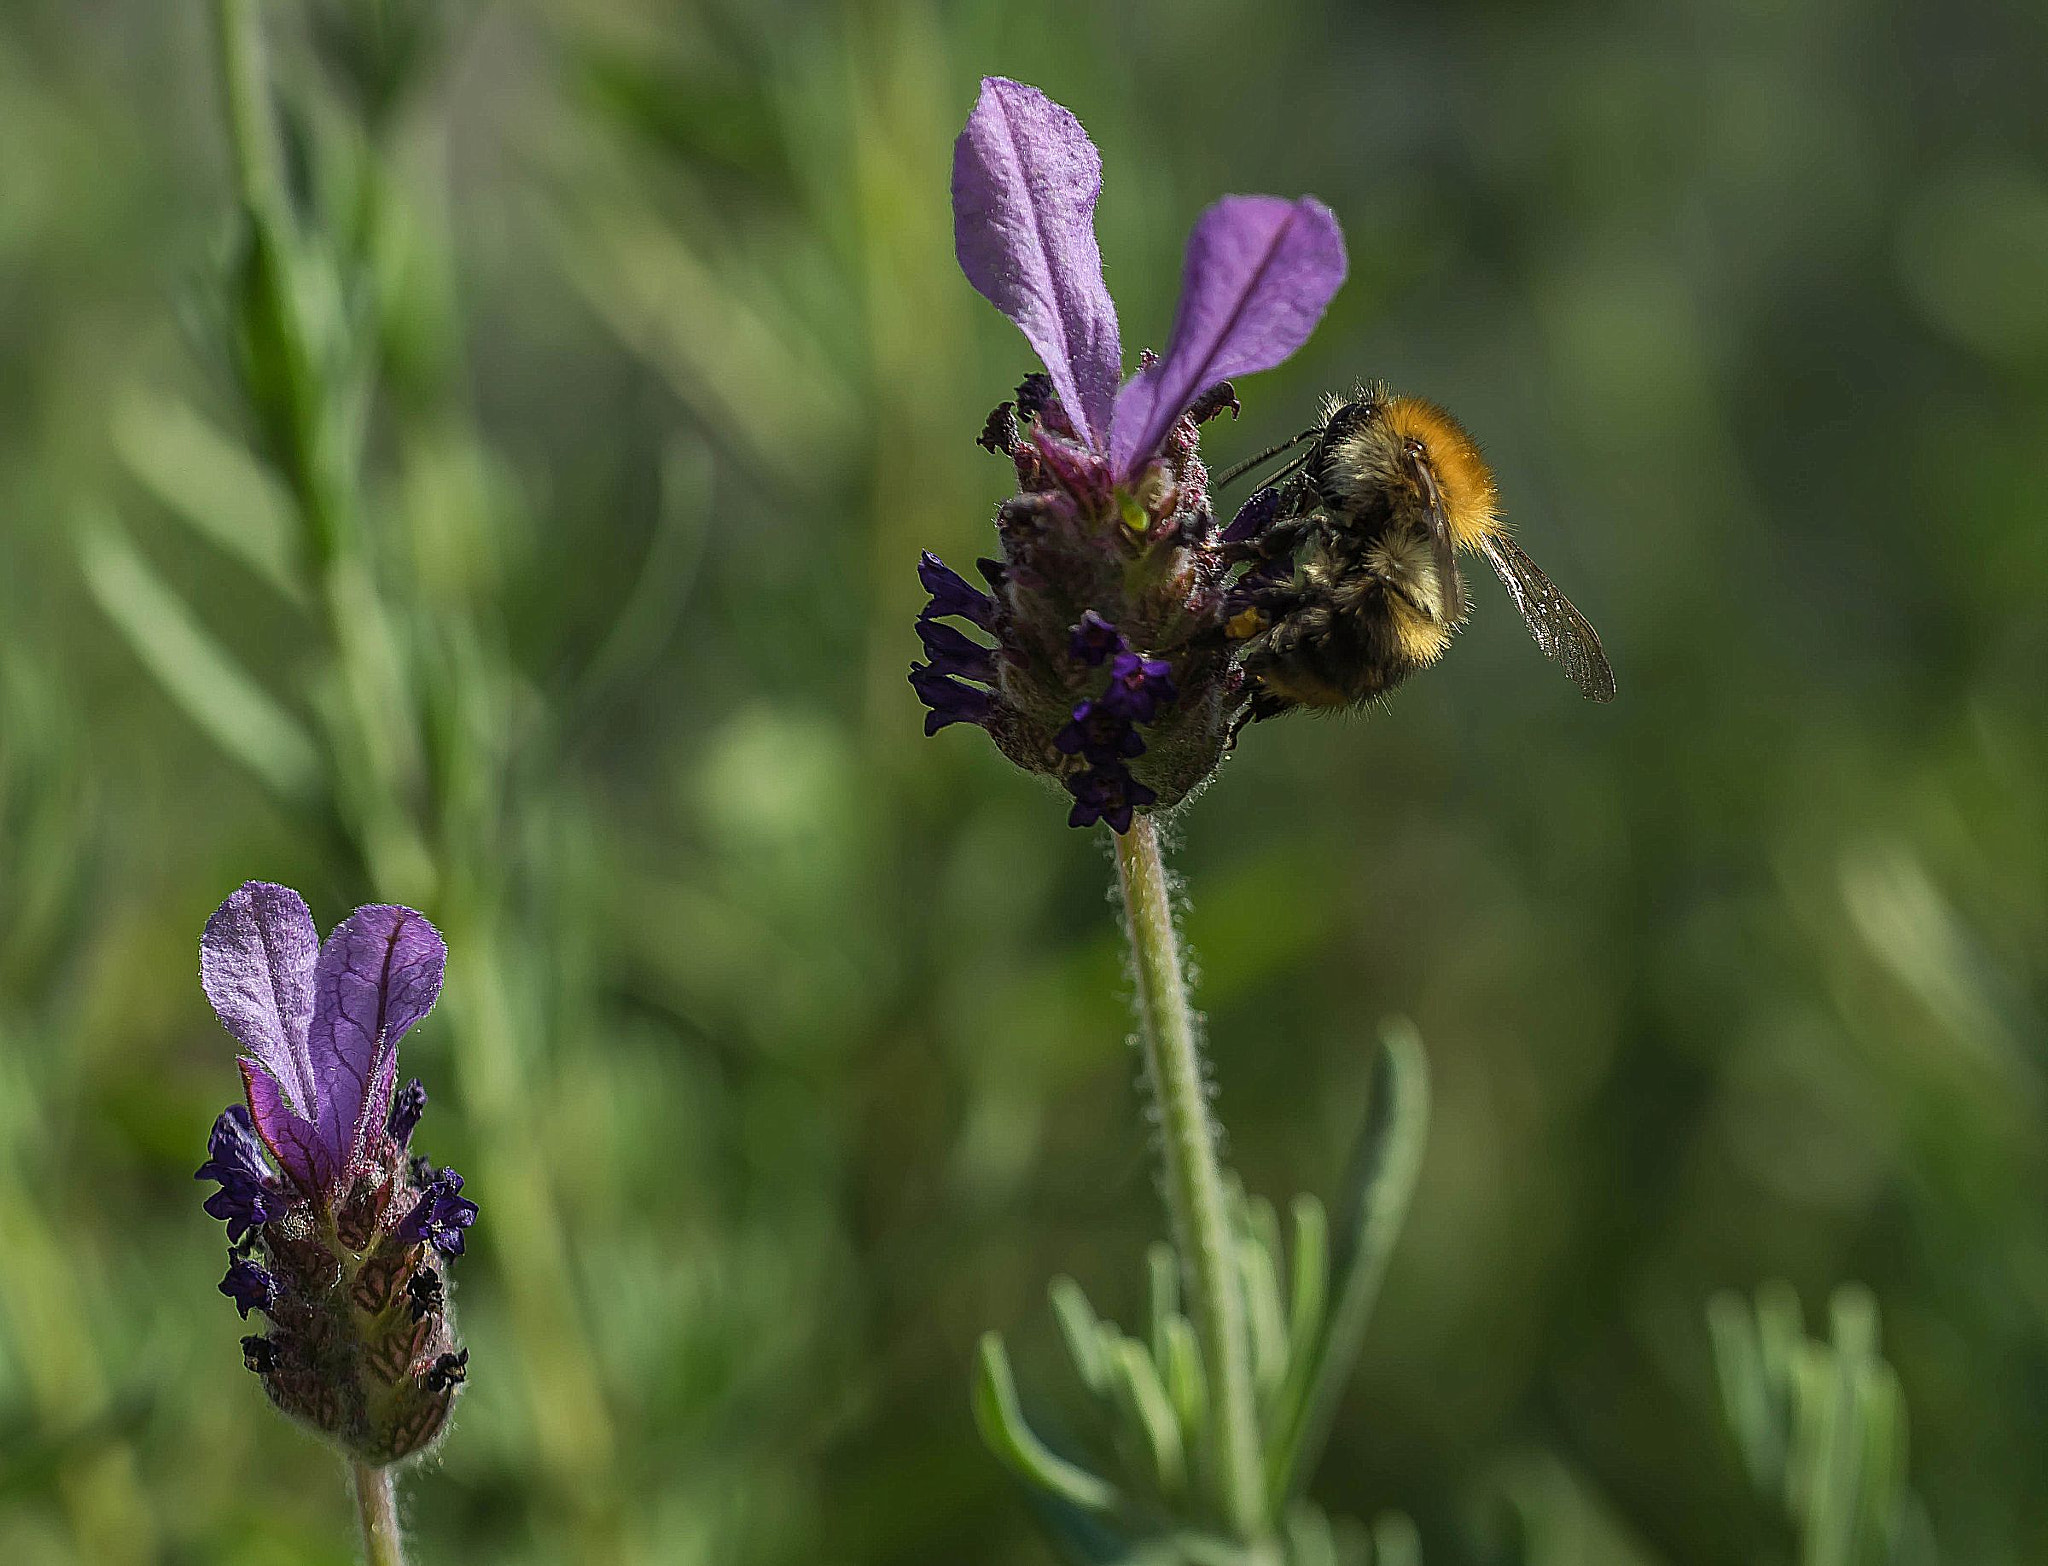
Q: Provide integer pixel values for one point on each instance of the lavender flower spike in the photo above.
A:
(335, 1245)
(1110, 550)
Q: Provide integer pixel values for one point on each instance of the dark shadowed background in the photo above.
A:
(784, 1048)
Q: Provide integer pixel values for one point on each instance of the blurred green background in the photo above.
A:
(785, 1049)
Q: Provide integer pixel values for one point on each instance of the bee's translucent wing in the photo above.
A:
(1560, 630)
(1451, 584)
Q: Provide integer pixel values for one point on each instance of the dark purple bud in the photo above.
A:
(249, 1196)
(949, 700)
(440, 1216)
(954, 652)
(952, 594)
(1138, 686)
(992, 572)
(406, 1109)
(249, 1286)
(1213, 401)
(1100, 734)
(449, 1370)
(999, 434)
(1095, 639)
(1106, 793)
(259, 1354)
(424, 1290)
(1037, 403)
(1254, 516)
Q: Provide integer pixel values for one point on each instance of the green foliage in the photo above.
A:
(644, 371)
(1821, 1426)
(1147, 1432)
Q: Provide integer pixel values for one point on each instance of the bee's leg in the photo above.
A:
(1270, 524)
(1263, 705)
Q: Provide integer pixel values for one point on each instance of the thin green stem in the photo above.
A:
(245, 83)
(377, 1507)
(1194, 1176)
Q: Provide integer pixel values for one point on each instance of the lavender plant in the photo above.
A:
(388, 741)
(1110, 672)
(337, 1232)
(1821, 1426)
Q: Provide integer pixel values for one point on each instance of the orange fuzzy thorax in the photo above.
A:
(1465, 483)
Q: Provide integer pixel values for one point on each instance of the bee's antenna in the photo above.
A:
(1239, 470)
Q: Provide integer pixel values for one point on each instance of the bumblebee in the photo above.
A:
(1354, 584)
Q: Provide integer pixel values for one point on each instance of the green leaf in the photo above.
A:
(1384, 1166)
(1187, 1381)
(1162, 1268)
(1395, 1541)
(198, 674)
(1082, 1329)
(1002, 1425)
(1745, 1395)
(1148, 1412)
(213, 484)
(1265, 1316)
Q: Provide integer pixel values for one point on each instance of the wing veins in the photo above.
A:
(1565, 635)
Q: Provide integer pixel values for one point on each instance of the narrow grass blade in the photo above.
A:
(214, 485)
(216, 693)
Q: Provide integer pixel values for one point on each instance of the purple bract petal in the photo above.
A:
(293, 1140)
(1025, 179)
(1259, 273)
(378, 974)
(256, 963)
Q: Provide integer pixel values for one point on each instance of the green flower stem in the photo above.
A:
(1194, 1177)
(377, 1506)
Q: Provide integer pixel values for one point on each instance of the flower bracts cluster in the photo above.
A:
(1110, 669)
(338, 1233)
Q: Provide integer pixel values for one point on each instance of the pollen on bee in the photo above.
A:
(1244, 625)
(1471, 500)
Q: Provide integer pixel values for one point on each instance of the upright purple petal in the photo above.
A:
(1025, 179)
(378, 974)
(1259, 273)
(256, 962)
(293, 1139)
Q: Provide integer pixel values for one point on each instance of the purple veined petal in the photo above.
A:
(1025, 179)
(293, 1140)
(256, 962)
(378, 974)
(1260, 271)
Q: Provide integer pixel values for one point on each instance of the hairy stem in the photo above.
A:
(377, 1507)
(1194, 1177)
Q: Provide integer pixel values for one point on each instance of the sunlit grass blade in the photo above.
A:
(728, 359)
(215, 691)
(214, 485)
